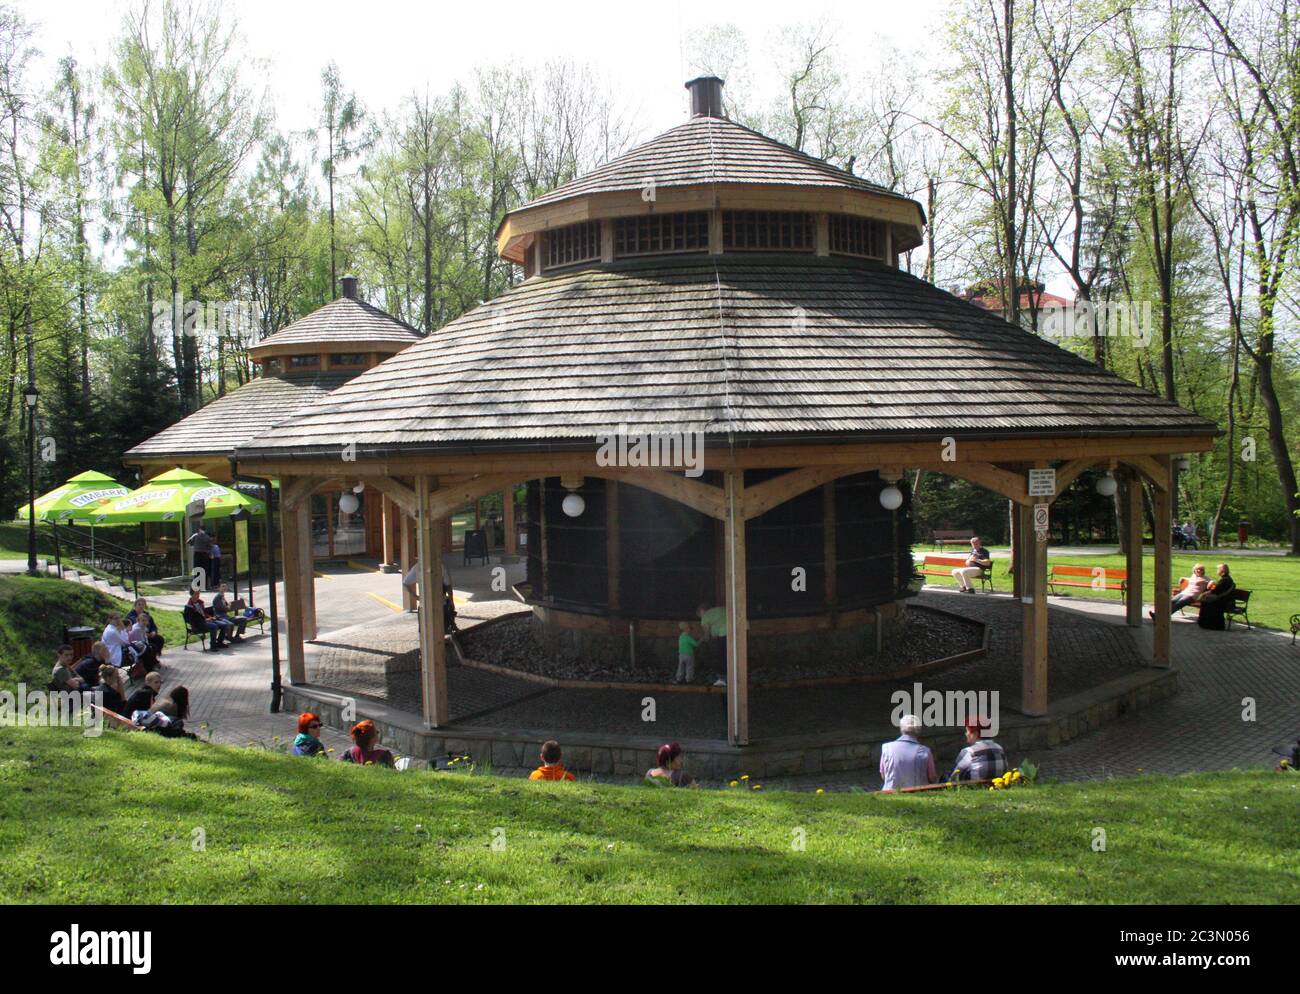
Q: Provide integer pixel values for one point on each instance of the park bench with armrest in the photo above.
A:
(194, 628)
(1087, 578)
(952, 536)
(944, 565)
(1239, 608)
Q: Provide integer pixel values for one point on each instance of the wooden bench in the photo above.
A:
(1087, 578)
(1239, 608)
(944, 565)
(941, 785)
(942, 538)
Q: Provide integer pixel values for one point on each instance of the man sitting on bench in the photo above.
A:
(976, 563)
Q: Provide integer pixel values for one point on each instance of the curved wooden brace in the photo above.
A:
(1150, 467)
(400, 494)
(294, 491)
(762, 497)
(703, 497)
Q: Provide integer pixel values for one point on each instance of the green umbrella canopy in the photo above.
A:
(80, 498)
(165, 498)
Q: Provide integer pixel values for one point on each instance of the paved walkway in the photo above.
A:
(1201, 727)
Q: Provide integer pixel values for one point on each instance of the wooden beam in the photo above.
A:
(829, 553)
(762, 497)
(508, 520)
(1132, 518)
(737, 611)
(1017, 590)
(433, 643)
(386, 507)
(1068, 472)
(703, 497)
(1033, 564)
(990, 477)
(307, 569)
(612, 543)
(447, 499)
(295, 491)
(865, 455)
(400, 494)
(290, 550)
(406, 552)
(1163, 500)
(1155, 469)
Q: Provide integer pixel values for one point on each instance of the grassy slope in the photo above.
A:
(1273, 581)
(33, 612)
(111, 819)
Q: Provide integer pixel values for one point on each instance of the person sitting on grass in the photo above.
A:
(982, 759)
(365, 751)
(120, 650)
(88, 668)
(140, 611)
(142, 699)
(112, 689)
(551, 768)
(173, 709)
(905, 762)
(62, 676)
(222, 616)
(976, 563)
(196, 616)
(669, 769)
(306, 743)
(1216, 600)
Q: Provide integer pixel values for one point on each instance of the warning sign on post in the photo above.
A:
(1042, 483)
(1041, 524)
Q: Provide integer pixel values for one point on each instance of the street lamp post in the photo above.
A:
(30, 396)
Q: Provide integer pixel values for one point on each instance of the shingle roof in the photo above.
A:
(708, 150)
(341, 321)
(758, 345)
(218, 427)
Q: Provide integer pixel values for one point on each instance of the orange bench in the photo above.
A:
(944, 565)
(1087, 577)
(1239, 608)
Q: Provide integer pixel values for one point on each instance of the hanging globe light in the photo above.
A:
(574, 505)
(891, 498)
(1107, 485)
(348, 503)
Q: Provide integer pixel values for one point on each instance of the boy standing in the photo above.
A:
(686, 645)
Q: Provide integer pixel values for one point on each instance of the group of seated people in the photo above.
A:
(133, 697)
(905, 762)
(224, 622)
(1213, 598)
(129, 645)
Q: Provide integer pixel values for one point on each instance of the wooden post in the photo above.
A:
(290, 550)
(612, 556)
(508, 521)
(1132, 515)
(829, 558)
(1014, 568)
(433, 645)
(306, 568)
(543, 551)
(386, 506)
(406, 555)
(1033, 581)
(737, 610)
(1163, 500)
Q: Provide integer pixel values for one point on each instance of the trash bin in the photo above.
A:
(1243, 526)
(81, 638)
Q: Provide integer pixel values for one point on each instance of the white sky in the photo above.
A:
(386, 49)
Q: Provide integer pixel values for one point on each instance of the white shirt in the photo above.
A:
(116, 641)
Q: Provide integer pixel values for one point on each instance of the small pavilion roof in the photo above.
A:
(341, 322)
(215, 429)
(765, 348)
(707, 150)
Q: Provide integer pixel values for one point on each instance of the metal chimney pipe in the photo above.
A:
(349, 284)
(706, 96)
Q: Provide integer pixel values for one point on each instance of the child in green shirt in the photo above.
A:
(685, 654)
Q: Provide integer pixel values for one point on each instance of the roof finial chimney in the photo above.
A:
(349, 284)
(706, 96)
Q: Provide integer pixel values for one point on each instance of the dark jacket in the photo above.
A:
(141, 700)
(1215, 604)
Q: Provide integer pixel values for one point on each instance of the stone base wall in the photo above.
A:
(516, 749)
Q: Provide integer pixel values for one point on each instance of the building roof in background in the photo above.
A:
(341, 322)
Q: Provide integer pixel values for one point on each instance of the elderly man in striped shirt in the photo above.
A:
(982, 759)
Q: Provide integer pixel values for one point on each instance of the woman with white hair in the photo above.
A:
(905, 762)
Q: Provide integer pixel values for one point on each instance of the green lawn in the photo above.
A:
(1273, 581)
(33, 612)
(114, 819)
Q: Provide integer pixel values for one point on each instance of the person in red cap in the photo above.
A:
(366, 736)
(982, 759)
(308, 743)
